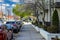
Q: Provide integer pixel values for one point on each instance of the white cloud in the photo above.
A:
(3, 4)
(15, 0)
(1, 0)
(13, 5)
(29, 1)
(2, 8)
(7, 5)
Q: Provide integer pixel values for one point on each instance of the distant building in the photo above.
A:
(9, 17)
(1, 14)
(55, 4)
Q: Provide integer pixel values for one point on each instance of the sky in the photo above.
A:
(12, 1)
(7, 5)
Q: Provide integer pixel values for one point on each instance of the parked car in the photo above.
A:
(19, 24)
(2, 21)
(4, 33)
(13, 26)
(9, 28)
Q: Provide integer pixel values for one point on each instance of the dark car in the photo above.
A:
(12, 25)
(19, 24)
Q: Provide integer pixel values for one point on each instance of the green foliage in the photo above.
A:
(52, 29)
(19, 10)
(55, 18)
(35, 23)
(55, 23)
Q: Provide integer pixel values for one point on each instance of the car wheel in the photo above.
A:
(18, 29)
(15, 30)
(12, 36)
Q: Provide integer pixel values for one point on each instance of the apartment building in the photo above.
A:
(46, 10)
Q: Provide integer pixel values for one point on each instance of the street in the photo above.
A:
(28, 33)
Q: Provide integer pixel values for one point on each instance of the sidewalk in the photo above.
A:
(29, 33)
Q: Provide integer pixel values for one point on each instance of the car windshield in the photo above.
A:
(1, 21)
(10, 22)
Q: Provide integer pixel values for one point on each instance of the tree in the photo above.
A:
(55, 18)
(20, 10)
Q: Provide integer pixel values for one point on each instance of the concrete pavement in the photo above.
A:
(28, 33)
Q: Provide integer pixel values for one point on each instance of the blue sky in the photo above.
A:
(7, 1)
(10, 2)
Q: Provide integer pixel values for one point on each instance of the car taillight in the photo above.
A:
(14, 24)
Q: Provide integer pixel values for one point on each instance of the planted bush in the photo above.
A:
(56, 38)
(52, 29)
(55, 18)
(55, 23)
(35, 23)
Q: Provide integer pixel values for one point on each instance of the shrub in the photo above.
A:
(52, 29)
(39, 25)
(55, 22)
(35, 23)
(55, 18)
(56, 38)
(42, 26)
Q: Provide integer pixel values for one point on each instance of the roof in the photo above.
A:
(10, 17)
